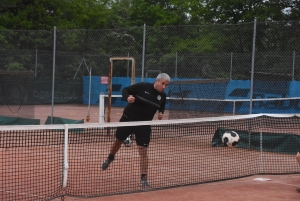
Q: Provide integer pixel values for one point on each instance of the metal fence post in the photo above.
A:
(293, 70)
(143, 55)
(53, 73)
(36, 62)
(176, 63)
(231, 58)
(252, 66)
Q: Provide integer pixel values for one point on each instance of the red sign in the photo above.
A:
(104, 80)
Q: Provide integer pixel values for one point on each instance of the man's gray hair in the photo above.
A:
(164, 76)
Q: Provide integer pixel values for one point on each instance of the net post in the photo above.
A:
(101, 108)
(65, 162)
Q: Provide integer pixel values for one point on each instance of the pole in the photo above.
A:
(293, 71)
(53, 73)
(90, 91)
(143, 55)
(101, 108)
(252, 66)
(231, 58)
(36, 58)
(176, 60)
(66, 165)
(128, 66)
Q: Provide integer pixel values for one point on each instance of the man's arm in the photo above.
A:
(125, 94)
(161, 110)
(130, 90)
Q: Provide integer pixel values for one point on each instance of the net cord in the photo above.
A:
(102, 102)
(220, 100)
(140, 123)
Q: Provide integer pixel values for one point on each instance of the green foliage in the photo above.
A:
(15, 66)
(119, 13)
(45, 14)
(208, 43)
(95, 14)
(237, 11)
(159, 13)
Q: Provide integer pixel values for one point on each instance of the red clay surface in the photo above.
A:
(280, 188)
(75, 112)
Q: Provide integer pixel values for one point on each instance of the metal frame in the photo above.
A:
(110, 72)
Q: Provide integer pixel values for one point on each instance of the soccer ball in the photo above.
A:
(128, 141)
(230, 138)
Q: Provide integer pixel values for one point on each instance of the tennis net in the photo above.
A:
(180, 108)
(184, 108)
(47, 161)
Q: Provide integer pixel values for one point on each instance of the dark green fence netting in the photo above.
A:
(59, 120)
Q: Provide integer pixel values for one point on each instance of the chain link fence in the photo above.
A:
(190, 52)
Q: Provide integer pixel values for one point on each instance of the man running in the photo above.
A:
(144, 99)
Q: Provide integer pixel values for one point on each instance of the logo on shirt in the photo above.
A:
(146, 92)
(158, 97)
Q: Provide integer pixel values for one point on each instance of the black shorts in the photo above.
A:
(142, 133)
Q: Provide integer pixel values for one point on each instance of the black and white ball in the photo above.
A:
(230, 138)
(128, 141)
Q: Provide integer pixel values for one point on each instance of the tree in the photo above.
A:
(120, 13)
(238, 11)
(45, 14)
(161, 12)
(291, 9)
(86, 14)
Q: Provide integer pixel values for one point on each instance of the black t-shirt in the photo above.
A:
(147, 101)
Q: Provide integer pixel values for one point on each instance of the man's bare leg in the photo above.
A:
(298, 158)
(115, 147)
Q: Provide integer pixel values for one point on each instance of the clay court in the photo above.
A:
(280, 187)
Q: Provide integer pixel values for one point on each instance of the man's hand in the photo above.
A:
(160, 116)
(130, 99)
